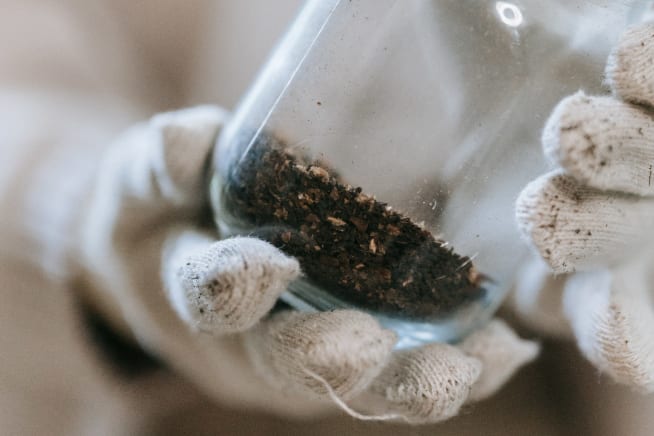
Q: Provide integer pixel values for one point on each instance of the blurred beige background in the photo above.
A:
(156, 55)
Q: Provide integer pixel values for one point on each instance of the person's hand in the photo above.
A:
(202, 304)
(592, 218)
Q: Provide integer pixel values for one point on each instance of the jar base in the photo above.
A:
(306, 297)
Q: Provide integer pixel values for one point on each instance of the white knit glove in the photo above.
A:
(593, 218)
(198, 303)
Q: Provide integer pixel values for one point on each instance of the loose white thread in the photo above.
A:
(343, 406)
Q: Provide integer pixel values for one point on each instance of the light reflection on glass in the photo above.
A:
(509, 13)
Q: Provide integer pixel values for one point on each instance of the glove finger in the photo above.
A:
(501, 353)
(319, 354)
(537, 299)
(613, 320)
(603, 143)
(424, 385)
(166, 158)
(574, 227)
(629, 70)
(225, 286)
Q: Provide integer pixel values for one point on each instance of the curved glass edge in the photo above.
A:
(273, 79)
(304, 296)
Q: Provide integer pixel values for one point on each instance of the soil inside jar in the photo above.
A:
(348, 243)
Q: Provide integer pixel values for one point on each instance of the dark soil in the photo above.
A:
(357, 248)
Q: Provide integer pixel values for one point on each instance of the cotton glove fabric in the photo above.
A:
(591, 218)
(202, 304)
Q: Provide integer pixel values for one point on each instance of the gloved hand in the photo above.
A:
(591, 219)
(201, 304)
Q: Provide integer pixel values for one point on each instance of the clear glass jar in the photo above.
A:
(379, 129)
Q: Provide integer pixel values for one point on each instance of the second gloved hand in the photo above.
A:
(592, 218)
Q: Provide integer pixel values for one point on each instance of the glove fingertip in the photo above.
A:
(501, 352)
(629, 72)
(227, 286)
(315, 354)
(427, 385)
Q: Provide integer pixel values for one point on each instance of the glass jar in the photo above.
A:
(385, 142)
